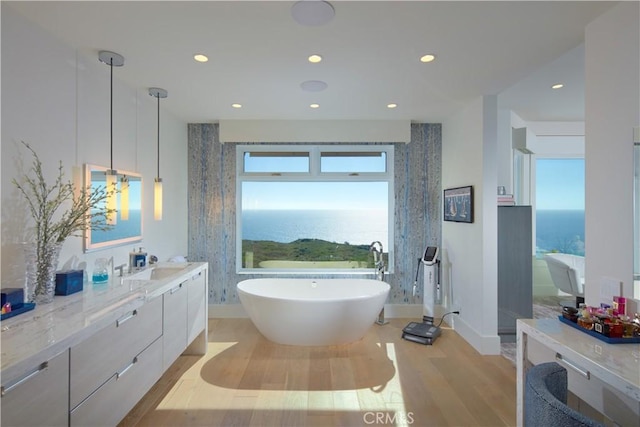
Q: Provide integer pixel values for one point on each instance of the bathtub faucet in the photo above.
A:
(378, 261)
(378, 265)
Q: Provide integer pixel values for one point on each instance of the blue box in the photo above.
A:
(69, 282)
(14, 296)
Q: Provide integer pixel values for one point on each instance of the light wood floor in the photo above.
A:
(245, 380)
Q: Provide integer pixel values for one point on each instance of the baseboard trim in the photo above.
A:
(484, 344)
(391, 311)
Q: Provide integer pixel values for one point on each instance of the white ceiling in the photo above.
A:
(371, 49)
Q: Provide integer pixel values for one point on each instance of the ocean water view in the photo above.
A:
(357, 227)
(560, 230)
(556, 230)
(122, 230)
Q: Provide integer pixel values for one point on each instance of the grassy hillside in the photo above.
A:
(306, 250)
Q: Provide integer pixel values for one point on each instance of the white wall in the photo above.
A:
(558, 139)
(58, 101)
(294, 131)
(612, 97)
(469, 151)
(504, 157)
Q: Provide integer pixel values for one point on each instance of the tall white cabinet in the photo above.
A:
(515, 269)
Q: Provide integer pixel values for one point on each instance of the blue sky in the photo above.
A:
(314, 195)
(135, 193)
(560, 184)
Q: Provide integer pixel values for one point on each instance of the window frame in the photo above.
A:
(314, 175)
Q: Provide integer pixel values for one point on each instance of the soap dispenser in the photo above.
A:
(139, 258)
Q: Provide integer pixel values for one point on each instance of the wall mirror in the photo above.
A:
(126, 230)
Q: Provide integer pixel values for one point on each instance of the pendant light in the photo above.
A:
(124, 198)
(157, 184)
(111, 59)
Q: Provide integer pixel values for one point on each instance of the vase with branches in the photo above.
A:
(59, 210)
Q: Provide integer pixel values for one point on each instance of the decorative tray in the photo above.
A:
(634, 340)
(19, 309)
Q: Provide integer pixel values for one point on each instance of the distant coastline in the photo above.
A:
(556, 230)
(285, 226)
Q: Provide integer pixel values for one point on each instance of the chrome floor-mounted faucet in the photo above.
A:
(378, 261)
(378, 265)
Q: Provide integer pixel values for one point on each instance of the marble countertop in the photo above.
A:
(616, 364)
(35, 336)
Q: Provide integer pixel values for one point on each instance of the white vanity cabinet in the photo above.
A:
(39, 396)
(185, 318)
(174, 322)
(103, 349)
(602, 378)
(197, 313)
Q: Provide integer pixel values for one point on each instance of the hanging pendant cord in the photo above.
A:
(158, 136)
(111, 113)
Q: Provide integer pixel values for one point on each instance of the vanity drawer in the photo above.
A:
(110, 403)
(39, 397)
(99, 357)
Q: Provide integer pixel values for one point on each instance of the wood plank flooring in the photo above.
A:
(245, 380)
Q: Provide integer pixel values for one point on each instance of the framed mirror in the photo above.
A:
(128, 228)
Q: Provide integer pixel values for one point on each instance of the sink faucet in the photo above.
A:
(120, 268)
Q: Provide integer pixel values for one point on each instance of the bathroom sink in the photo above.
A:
(158, 272)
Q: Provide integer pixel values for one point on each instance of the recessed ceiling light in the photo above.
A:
(314, 105)
(557, 86)
(392, 105)
(314, 59)
(236, 105)
(200, 57)
(312, 13)
(427, 58)
(313, 86)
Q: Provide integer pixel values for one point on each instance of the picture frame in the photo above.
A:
(458, 204)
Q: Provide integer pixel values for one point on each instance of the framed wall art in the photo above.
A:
(458, 204)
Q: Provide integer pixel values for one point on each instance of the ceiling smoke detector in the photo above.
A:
(313, 86)
(312, 12)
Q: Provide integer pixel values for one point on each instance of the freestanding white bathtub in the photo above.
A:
(313, 311)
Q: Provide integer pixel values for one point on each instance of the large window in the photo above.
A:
(560, 205)
(313, 208)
